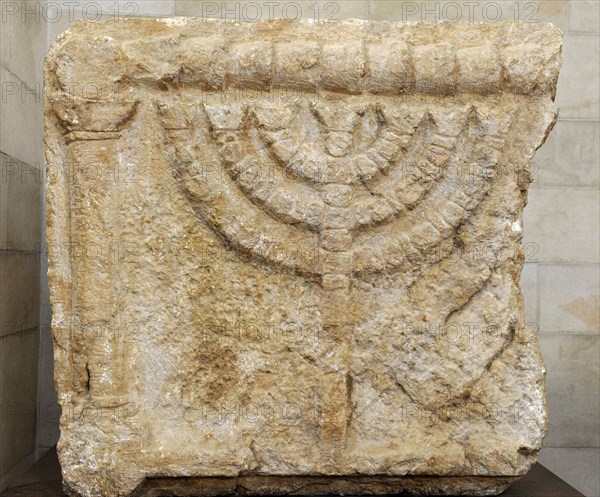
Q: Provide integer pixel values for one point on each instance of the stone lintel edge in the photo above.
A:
(351, 57)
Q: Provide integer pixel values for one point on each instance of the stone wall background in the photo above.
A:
(21, 218)
(561, 279)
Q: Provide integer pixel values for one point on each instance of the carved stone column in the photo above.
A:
(285, 257)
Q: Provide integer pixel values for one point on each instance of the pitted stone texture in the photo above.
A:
(284, 257)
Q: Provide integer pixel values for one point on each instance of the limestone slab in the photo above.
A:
(284, 257)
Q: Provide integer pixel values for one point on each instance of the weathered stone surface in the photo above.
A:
(285, 257)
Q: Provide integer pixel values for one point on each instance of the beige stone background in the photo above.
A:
(561, 276)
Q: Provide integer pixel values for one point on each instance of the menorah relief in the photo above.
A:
(331, 199)
(369, 187)
(365, 181)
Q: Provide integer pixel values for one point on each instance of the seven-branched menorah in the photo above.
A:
(363, 188)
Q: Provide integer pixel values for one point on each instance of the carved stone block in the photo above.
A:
(285, 257)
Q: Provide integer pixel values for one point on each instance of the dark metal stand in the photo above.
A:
(44, 480)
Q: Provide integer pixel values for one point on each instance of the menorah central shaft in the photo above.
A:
(337, 316)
